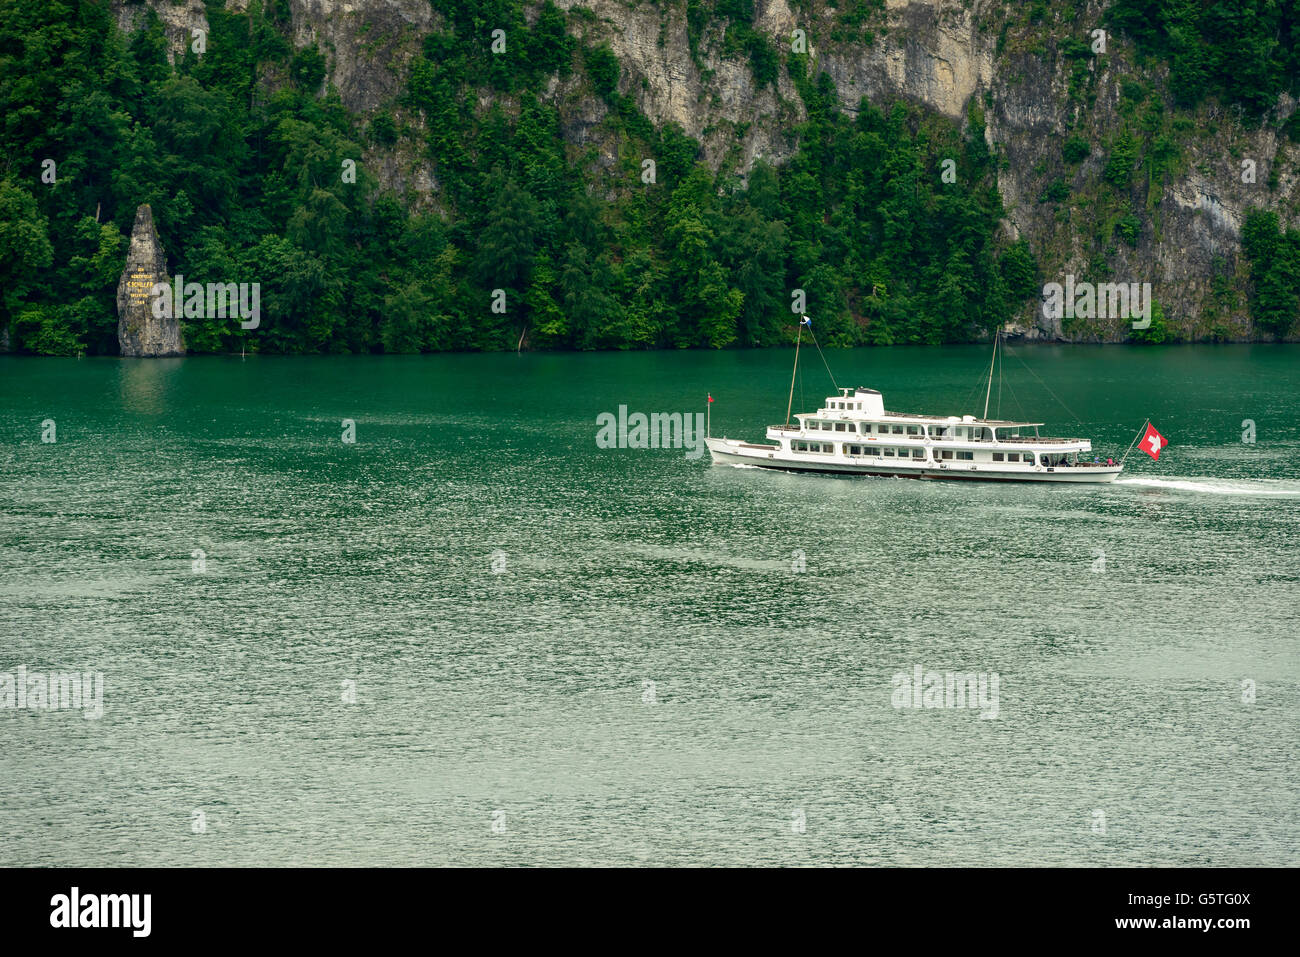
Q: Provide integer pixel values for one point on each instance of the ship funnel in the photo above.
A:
(873, 403)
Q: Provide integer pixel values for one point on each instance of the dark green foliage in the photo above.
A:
(383, 130)
(1075, 150)
(1072, 48)
(1129, 228)
(1274, 258)
(1054, 192)
(308, 68)
(1020, 271)
(1242, 51)
(603, 69)
(1157, 332)
(550, 48)
(1119, 164)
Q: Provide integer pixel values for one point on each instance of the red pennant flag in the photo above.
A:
(710, 397)
(1153, 442)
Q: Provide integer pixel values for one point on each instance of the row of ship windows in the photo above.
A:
(888, 452)
(976, 433)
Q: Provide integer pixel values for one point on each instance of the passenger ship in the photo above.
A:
(854, 435)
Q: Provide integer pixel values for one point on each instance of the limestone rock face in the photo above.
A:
(958, 58)
(139, 332)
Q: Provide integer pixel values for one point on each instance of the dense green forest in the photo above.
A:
(239, 151)
(1243, 52)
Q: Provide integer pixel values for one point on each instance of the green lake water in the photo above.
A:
(565, 654)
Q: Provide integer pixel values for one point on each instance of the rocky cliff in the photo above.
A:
(1178, 225)
(139, 331)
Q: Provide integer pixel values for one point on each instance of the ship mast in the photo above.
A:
(790, 405)
(988, 391)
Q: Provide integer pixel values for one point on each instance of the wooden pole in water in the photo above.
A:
(789, 405)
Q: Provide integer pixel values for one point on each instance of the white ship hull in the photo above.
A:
(735, 452)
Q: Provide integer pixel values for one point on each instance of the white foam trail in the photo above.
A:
(1216, 487)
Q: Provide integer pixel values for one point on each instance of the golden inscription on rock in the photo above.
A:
(138, 285)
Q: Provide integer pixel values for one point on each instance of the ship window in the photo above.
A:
(1011, 456)
(997, 456)
(946, 453)
(918, 453)
(966, 456)
(852, 427)
(889, 452)
(898, 430)
(913, 430)
(839, 426)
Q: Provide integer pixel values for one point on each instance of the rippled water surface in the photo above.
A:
(669, 663)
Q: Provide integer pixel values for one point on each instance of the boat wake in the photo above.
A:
(1219, 486)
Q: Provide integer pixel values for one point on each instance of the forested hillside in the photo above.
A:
(882, 218)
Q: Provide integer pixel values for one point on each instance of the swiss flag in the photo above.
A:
(1153, 442)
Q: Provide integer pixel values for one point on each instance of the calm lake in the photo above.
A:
(472, 636)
